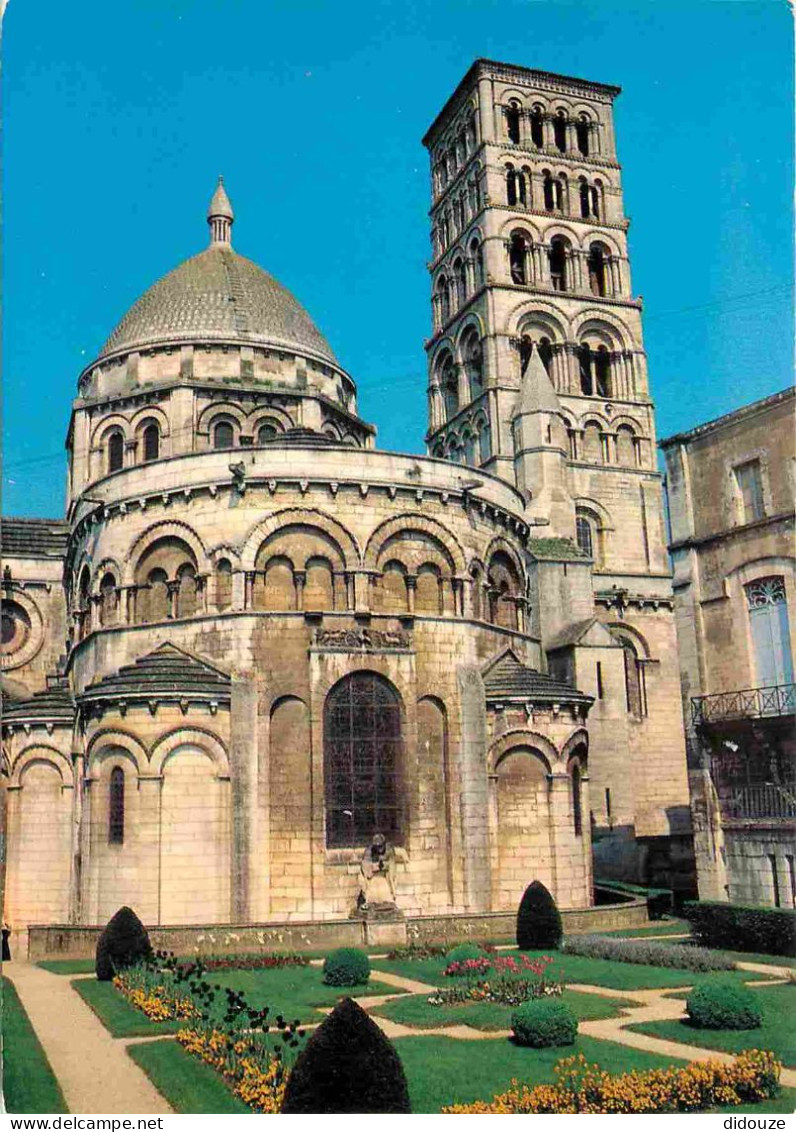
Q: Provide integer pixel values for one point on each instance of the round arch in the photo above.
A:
(206, 741)
(422, 524)
(294, 516)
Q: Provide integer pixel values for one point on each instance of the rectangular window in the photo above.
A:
(750, 485)
(608, 814)
(599, 680)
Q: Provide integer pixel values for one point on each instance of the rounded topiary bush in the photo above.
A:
(543, 1022)
(464, 951)
(346, 967)
(123, 942)
(348, 1065)
(538, 919)
(719, 1003)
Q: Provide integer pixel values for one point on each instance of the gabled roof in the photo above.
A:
(589, 632)
(166, 673)
(54, 705)
(33, 538)
(506, 678)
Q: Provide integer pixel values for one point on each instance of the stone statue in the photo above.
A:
(377, 877)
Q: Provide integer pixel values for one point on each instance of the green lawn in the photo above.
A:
(758, 957)
(443, 1071)
(777, 1033)
(116, 1014)
(570, 968)
(29, 1084)
(292, 991)
(68, 966)
(188, 1084)
(414, 1010)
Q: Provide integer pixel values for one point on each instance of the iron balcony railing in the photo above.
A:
(754, 802)
(748, 703)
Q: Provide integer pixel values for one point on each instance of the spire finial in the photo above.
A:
(220, 216)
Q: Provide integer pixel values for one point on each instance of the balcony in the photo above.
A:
(748, 703)
(761, 802)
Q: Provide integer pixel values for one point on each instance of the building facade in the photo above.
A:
(731, 491)
(256, 639)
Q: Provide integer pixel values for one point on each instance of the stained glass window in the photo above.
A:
(116, 807)
(362, 759)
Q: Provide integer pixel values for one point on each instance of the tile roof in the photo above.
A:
(556, 550)
(166, 673)
(33, 538)
(55, 704)
(507, 679)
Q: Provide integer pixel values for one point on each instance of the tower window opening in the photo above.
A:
(595, 194)
(266, 433)
(600, 689)
(577, 805)
(582, 130)
(472, 355)
(585, 199)
(477, 256)
(151, 439)
(537, 127)
(115, 451)
(608, 812)
(596, 265)
(460, 275)
(116, 807)
(518, 248)
(511, 185)
(602, 371)
(443, 291)
(558, 263)
(546, 354)
(513, 122)
(560, 131)
(585, 365)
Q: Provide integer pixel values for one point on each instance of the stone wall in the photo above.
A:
(68, 941)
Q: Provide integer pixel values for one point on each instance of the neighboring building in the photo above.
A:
(280, 640)
(731, 503)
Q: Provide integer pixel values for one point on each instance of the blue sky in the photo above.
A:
(119, 116)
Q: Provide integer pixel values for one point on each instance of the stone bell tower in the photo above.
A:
(529, 258)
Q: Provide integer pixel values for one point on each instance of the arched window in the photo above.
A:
(537, 126)
(223, 584)
(511, 185)
(108, 599)
(584, 535)
(363, 753)
(504, 591)
(767, 602)
(470, 449)
(116, 807)
(518, 256)
(513, 122)
(477, 256)
(186, 590)
(582, 130)
(151, 439)
(577, 801)
(585, 200)
(484, 441)
(585, 366)
(267, 432)
(635, 691)
(115, 451)
(156, 601)
(449, 385)
(558, 263)
(460, 276)
(602, 371)
(596, 264)
(84, 602)
(522, 187)
(560, 131)
(223, 435)
(443, 290)
(472, 357)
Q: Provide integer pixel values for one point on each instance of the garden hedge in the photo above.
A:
(544, 1022)
(123, 942)
(348, 1065)
(346, 967)
(742, 927)
(655, 952)
(538, 919)
(719, 1003)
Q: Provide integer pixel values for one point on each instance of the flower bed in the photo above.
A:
(255, 1076)
(511, 981)
(580, 1087)
(155, 1000)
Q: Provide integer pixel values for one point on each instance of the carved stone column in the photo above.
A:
(300, 581)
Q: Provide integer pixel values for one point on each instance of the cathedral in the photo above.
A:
(256, 639)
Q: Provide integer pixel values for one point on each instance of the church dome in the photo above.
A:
(220, 296)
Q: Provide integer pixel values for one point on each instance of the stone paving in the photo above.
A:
(97, 1076)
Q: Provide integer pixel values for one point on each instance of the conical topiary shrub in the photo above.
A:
(348, 1065)
(123, 943)
(538, 919)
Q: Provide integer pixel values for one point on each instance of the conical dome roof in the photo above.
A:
(219, 295)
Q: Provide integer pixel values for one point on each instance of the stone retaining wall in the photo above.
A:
(70, 941)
